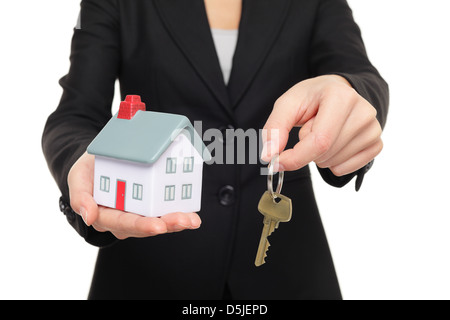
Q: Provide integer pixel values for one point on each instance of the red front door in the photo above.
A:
(120, 195)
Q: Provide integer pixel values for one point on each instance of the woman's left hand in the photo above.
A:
(339, 130)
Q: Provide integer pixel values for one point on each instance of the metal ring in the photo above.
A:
(270, 179)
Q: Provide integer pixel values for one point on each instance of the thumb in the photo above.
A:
(274, 136)
(87, 208)
(285, 115)
(80, 182)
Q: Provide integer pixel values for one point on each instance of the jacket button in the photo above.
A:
(226, 196)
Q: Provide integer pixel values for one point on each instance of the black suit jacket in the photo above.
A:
(163, 50)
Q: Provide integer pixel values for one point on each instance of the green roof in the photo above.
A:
(144, 137)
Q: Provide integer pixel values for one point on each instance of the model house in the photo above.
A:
(149, 163)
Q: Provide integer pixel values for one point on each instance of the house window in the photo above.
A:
(186, 191)
(171, 165)
(137, 191)
(188, 164)
(104, 184)
(169, 193)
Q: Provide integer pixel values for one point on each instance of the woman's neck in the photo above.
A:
(224, 14)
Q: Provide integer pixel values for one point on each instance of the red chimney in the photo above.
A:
(130, 106)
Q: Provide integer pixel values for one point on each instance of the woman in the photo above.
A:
(295, 63)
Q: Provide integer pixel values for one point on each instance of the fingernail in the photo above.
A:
(195, 222)
(193, 226)
(267, 151)
(84, 214)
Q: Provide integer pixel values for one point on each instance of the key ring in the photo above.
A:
(270, 179)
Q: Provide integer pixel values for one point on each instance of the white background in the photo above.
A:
(389, 241)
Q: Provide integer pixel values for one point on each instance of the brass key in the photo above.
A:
(275, 210)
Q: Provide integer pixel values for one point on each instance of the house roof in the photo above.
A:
(144, 137)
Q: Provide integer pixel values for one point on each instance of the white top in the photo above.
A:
(225, 42)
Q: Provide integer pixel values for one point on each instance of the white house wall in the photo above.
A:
(154, 179)
(180, 148)
(127, 171)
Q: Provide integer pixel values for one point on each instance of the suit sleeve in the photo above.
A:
(337, 48)
(85, 105)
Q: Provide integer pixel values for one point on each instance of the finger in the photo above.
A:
(306, 129)
(83, 203)
(196, 221)
(275, 136)
(87, 207)
(80, 182)
(178, 221)
(323, 132)
(98, 228)
(121, 236)
(359, 160)
(286, 113)
(129, 223)
(361, 123)
(332, 115)
(360, 142)
(304, 152)
(81, 175)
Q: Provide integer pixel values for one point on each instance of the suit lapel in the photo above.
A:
(188, 25)
(260, 25)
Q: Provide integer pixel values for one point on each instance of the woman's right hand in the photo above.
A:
(121, 224)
